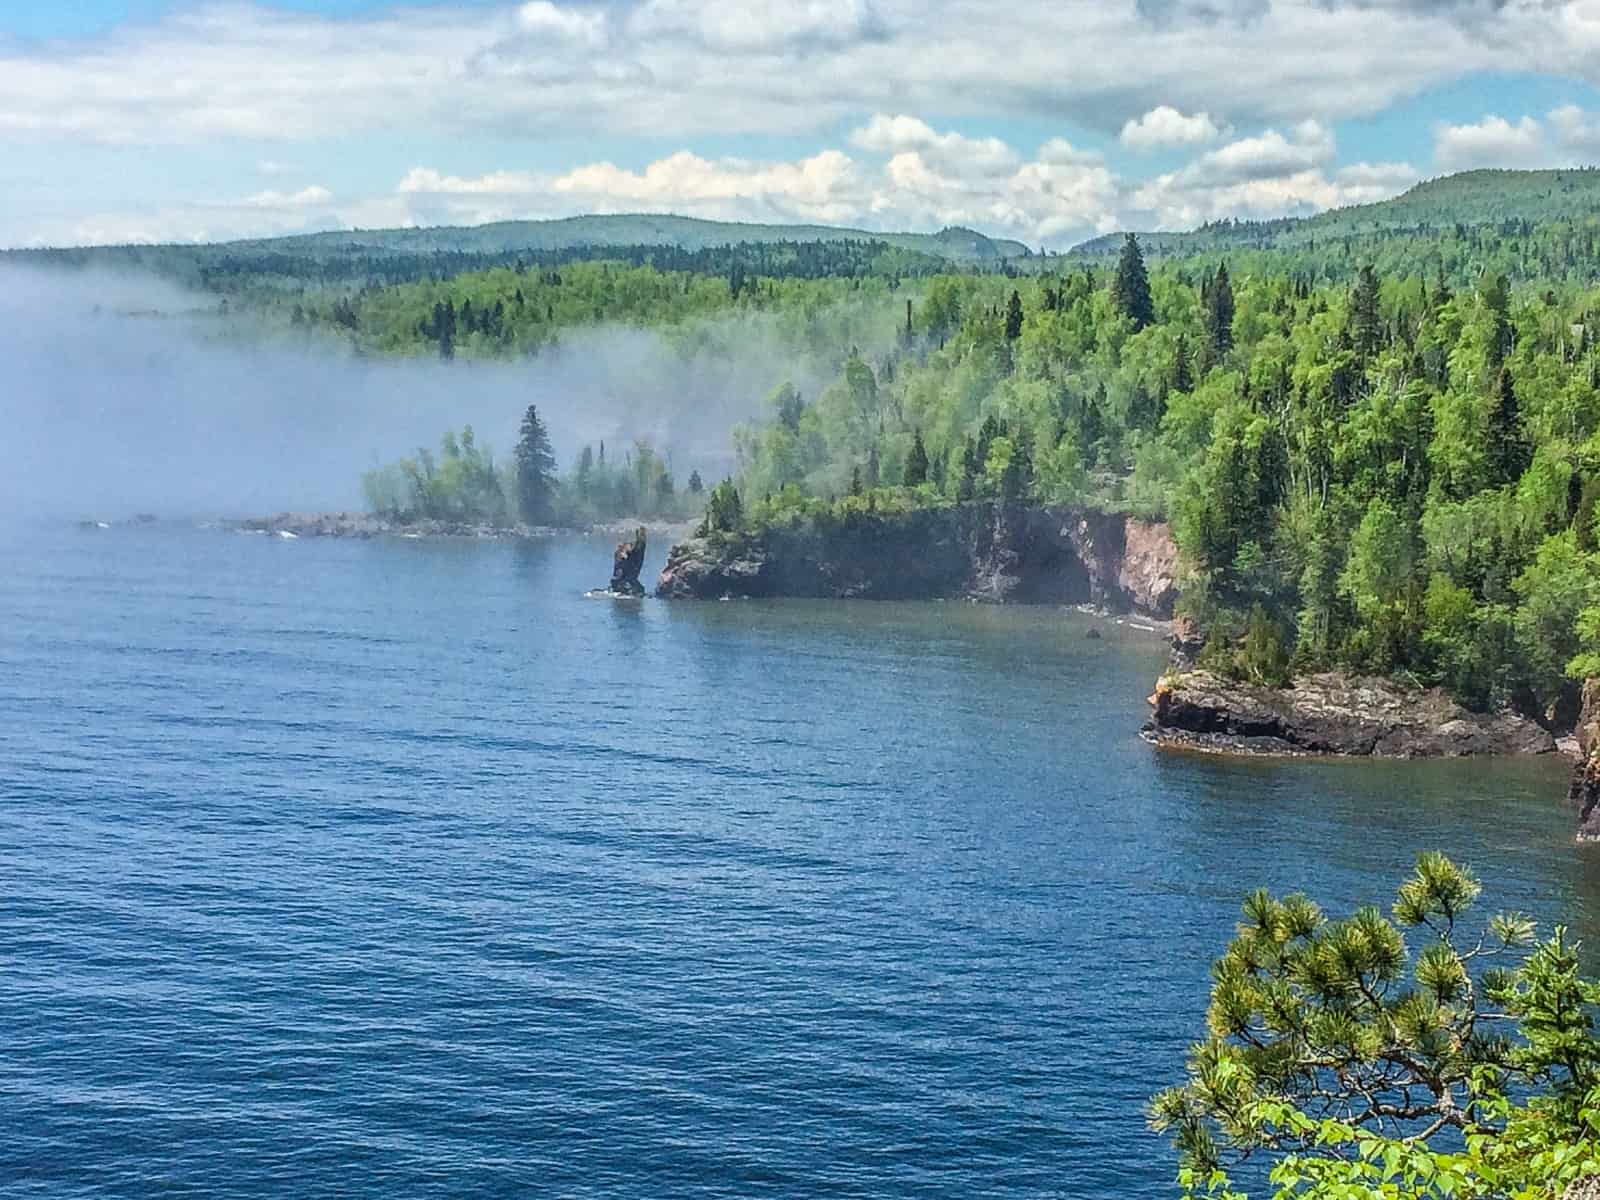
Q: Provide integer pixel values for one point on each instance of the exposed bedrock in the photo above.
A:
(1331, 714)
(988, 552)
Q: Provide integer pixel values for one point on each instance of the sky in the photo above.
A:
(1050, 122)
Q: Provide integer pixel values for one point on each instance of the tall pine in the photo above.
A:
(1130, 290)
(536, 466)
(1219, 314)
(917, 462)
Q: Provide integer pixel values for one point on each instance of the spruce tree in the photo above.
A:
(1509, 452)
(1182, 373)
(1365, 327)
(917, 462)
(1014, 317)
(1130, 290)
(536, 464)
(1219, 314)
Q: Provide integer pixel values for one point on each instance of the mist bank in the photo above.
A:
(122, 394)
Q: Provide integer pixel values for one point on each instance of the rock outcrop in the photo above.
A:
(988, 552)
(1330, 714)
(1585, 790)
(626, 563)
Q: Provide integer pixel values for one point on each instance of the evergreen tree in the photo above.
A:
(967, 488)
(1014, 316)
(1219, 314)
(855, 480)
(536, 464)
(1182, 372)
(1365, 328)
(696, 484)
(1508, 450)
(917, 462)
(1130, 290)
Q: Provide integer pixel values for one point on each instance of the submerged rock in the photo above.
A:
(1330, 714)
(626, 563)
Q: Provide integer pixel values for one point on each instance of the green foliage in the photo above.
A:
(1360, 1069)
(724, 511)
(460, 484)
(535, 470)
(1130, 290)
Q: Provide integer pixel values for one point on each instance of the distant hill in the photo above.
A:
(508, 237)
(1469, 199)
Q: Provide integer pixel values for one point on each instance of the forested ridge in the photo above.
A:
(1375, 438)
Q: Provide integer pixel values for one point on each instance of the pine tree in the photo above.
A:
(917, 462)
(968, 486)
(536, 464)
(1365, 327)
(1508, 451)
(1130, 290)
(1219, 314)
(696, 484)
(1014, 317)
(1182, 373)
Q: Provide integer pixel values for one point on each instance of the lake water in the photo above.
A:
(401, 868)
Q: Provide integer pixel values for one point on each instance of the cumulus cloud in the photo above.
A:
(1491, 142)
(898, 134)
(900, 174)
(1164, 126)
(678, 68)
(1577, 131)
(1270, 174)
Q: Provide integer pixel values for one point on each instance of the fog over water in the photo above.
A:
(121, 395)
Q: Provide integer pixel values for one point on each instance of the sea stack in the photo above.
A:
(626, 564)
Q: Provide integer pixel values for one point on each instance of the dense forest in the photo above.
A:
(1374, 432)
(1394, 476)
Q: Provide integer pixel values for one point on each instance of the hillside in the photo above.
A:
(629, 229)
(1470, 199)
(505, 239)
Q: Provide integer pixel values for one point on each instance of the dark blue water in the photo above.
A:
(400, 868)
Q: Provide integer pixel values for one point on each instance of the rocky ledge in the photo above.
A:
(982, 551)
(1330, 714)
(365, 525)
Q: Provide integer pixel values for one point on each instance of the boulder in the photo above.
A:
(1331, 714)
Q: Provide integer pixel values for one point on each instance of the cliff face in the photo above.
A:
(990, 552)
(1331, 714)
(1585, 790)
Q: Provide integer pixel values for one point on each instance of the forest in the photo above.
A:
(1374, 432)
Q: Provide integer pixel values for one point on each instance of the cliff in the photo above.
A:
(1330, 714)
(1585, 790)
(983, 551)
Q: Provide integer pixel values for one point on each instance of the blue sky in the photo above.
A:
(153, 119)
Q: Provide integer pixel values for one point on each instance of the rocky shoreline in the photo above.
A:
(362, 525)
(991, 553)
(1330, 714)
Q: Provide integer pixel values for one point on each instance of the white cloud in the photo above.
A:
(904, 175)
(759, 26)
(1266, 156)
(1577, 131)
(1164, 126)
(1266, 175)
(891, 135)
(1491, 142)
(683, 67)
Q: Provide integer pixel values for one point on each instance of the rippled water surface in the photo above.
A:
(401, 868)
